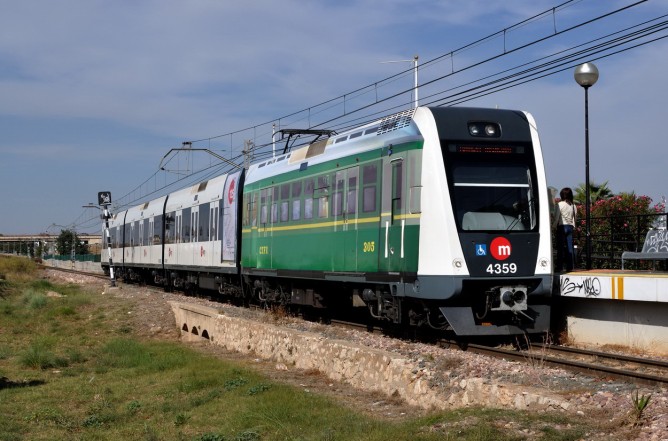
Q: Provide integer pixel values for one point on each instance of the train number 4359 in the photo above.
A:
(502, 268)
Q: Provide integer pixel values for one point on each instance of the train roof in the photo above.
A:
(392, 129)
(201, 193)
(147, 209)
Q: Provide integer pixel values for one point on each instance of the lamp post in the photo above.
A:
(586, 76)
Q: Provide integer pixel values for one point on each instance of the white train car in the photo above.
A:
(201, 236)
(143, 237)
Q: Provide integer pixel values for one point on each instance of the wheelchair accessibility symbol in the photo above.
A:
(481, 249)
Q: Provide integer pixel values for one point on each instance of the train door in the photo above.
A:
(150, 241)
(393, 216)
(216, 254)
(344, 207)
(197, 248)
(268, 213)
(178, 240)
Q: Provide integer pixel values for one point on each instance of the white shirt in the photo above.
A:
(565, 214)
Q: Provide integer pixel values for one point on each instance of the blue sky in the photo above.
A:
(95, 93)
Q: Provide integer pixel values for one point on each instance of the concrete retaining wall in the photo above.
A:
(362, 367)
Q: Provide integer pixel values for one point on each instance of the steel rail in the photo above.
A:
(621, 374)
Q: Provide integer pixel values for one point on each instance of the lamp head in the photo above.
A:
(586, 74)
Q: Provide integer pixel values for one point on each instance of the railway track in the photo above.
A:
(602, 364)
(73, 271)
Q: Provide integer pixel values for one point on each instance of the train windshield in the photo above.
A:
(492, 193)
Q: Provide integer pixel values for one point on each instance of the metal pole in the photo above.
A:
(415, 67)
(106, 233)
(587, 184)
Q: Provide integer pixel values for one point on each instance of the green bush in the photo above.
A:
(617, 224)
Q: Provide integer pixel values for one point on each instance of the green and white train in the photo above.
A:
(431, 217)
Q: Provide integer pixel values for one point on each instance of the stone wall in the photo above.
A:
(346, 361)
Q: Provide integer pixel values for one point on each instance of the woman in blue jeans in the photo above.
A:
(565, 215)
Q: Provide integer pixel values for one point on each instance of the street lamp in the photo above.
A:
(586, 76)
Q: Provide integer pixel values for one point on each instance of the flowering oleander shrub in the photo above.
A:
(618, 223)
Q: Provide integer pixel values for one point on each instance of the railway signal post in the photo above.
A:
(104, 200)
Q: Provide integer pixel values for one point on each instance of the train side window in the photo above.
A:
(337, 197)
(254, 198)
(397, 189)
(274, 213)
(308, 198)
(296, 209)
(170, 232)
(285, 215)
(323, 203)
(284, 207)
(157, 230)
(351, 206)
(369, 184)
(146, 234)
(186, 227)
(204, 222)
(135, 234)
(296, 200)
(263, 206)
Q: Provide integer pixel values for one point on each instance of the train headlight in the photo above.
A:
(484, 129)
(457, 263)
(544, 263)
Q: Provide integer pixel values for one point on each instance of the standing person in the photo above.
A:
(565, 215)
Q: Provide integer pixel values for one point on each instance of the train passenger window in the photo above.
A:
(351, 201)
(369, 174)
(369, 199)
(296, 189)
(337, 203)
(308, 187)
(263, 214)
(213, 226)
(204, 222)
(263, 205)
(296, 209)
(296, 201)
(135, 234)
(254, 198)
(323, 182)
(308, 208)
(186, 226)
(284, 211)
(169, 227)
(146, 234)
(285, 192)
(322, 207)
(369, 183)
(157, 229)
(274, 213)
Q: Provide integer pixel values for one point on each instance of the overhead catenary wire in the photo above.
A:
(485, 85)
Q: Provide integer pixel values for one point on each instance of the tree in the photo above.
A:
(64, 243)
(596, 192)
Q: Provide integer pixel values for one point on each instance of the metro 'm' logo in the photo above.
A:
(500, 248)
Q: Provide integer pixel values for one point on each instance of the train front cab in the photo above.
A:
(485, 251)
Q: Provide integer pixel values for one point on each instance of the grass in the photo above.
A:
(71, 368)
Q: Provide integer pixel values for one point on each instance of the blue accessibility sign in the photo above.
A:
(481, 249)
